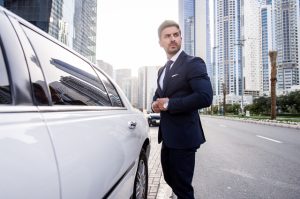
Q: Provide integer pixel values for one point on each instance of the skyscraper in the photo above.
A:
(250, 42)
(267, 44)
(130, 88)
(121, 75)
(228, 53)
(202, 33)
(106, 67)
(187, 24)
(71, 22)
(287, 43)
(195, 24)
(298, 17)
(147, 85)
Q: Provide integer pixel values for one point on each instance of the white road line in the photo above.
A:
(268, 139)
(222, 125)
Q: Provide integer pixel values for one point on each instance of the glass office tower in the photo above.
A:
(195, 26)
(286, 39)
(72, 22)
(187, 23)
(267, 44)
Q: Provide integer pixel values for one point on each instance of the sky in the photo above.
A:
(127, 31)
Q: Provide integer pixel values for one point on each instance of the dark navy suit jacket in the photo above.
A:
(188, 89)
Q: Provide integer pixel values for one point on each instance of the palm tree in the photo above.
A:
(273, 56)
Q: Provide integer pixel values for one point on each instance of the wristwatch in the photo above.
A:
(166, 105)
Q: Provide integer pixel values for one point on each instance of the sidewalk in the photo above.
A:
(157, 187)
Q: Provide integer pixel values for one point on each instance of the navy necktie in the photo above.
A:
(167, 71)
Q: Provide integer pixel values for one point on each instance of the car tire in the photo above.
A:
(140, 189)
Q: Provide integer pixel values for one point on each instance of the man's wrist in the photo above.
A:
(166, 104)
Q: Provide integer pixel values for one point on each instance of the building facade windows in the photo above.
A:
(71, 22)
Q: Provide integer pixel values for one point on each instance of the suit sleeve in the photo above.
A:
(199, 82)
(156, 92)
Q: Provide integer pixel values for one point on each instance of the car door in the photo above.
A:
(27, 162)
(94, 146)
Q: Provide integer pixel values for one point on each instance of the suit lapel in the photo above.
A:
(173, 70)
(160, 91)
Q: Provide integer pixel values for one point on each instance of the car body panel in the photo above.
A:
(83, 140)
(27, 162)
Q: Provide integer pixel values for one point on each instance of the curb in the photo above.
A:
(266, 122)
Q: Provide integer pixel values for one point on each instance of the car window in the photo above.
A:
(112, 92)
(70, 79)
(5, 94)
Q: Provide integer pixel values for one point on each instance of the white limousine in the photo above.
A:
(66, 130)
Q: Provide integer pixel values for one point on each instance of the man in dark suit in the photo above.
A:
(183, 87)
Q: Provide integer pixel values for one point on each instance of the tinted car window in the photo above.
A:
(112, 92)
(70, 79)
(5, 94)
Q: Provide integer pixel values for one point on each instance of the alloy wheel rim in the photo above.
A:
(141, 181)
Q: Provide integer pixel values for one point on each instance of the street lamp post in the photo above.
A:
(224, 98)
(241, 43)
(242, 74)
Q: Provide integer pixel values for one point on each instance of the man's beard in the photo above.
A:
(173, 50)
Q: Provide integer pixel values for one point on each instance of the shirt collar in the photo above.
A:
(174, 58)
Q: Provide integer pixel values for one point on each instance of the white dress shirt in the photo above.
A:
(174, 58)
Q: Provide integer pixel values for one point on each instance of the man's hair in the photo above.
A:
(166, 24)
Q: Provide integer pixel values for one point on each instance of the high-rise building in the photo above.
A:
(147, 85)
(267, 44)
(130, 88)
(298, 17)
(121, 74)
(187, 24)
(106, 67)
(203, 34)
(195, 26)
(250, 42)
(71, 22)
(228, 53)
(85, 27)
(287, 27)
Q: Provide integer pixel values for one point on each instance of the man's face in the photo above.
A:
(170, 40)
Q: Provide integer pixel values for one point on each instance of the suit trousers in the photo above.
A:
(178, 169)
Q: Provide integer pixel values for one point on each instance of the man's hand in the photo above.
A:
(155, 107)
(162, 103)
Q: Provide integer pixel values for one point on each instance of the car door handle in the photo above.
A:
(131, 124)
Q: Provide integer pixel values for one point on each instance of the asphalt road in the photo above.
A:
(247, 161)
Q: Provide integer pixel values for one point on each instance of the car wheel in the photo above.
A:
(140, 189)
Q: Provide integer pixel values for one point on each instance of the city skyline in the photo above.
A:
(234, 39)
(127, 32)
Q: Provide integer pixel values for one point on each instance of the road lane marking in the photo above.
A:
(269, 139)
(222, 125)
